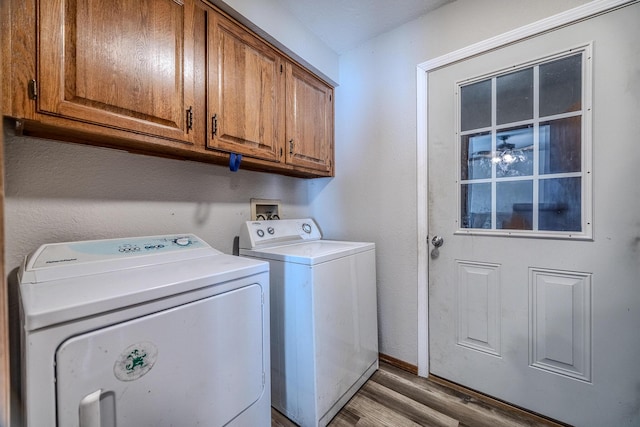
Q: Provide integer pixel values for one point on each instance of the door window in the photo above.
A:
(524, 167)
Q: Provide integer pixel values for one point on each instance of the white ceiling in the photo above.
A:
(344, 24)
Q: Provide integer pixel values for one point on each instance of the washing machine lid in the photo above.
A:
(67, 281)
(309, 253)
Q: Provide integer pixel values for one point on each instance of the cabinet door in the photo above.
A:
(309, 121)
(245, 92)
(125, 65)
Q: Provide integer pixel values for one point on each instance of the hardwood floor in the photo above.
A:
(396, 398)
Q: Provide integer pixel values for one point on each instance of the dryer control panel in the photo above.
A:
(267, 233)
(71, 259)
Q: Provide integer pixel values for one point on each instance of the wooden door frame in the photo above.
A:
(568, 17)
(5, 382)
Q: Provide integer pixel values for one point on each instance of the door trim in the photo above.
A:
(568, 17)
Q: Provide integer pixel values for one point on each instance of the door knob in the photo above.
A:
(437, 241)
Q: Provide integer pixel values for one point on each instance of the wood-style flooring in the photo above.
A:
(396, 398)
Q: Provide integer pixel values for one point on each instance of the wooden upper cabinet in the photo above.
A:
(125, 65)
(175, 78)
(309, 121)
(246, 92)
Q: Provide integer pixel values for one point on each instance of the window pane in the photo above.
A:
(475, 105)
(476, 205)
(475, 156)
(561, 86)
(522, 144)
(514, 97)
(560, 204)
(514, 201)
(560, 146)
(514, 152)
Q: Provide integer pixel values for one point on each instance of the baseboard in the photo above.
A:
(398, 363)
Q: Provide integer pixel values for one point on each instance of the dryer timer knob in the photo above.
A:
(183, 241)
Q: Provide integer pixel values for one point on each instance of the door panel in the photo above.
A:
(133, 73)
(246, 92)
(197, 364)
(309, 120)
(547, 324)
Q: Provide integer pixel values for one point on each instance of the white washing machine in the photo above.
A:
(149, 331)
(324, 333)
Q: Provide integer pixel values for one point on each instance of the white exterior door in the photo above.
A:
(524, 304)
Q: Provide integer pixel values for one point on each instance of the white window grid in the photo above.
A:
(586, 175)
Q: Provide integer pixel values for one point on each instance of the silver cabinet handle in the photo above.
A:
(437, 241)
(90, 410)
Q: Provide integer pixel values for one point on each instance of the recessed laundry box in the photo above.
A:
(147, 331)
(324, 333)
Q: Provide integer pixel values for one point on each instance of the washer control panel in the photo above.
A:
(261, 233)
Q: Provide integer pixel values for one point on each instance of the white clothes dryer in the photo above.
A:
(324, 334)
(146, 331)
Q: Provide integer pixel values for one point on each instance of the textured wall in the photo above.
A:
(373, 196)
(62, 192)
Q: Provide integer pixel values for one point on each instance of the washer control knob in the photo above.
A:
(182, 241)
(306, 228)
(260, 233)
(270, 230)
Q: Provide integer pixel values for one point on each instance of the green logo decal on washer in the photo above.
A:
(135, 361)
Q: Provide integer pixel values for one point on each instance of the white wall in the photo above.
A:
(373, 196)
(57, 191)
(62, 192)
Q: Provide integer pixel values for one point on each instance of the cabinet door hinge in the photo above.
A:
(33, 89)
(190, 118)
(214, 125)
